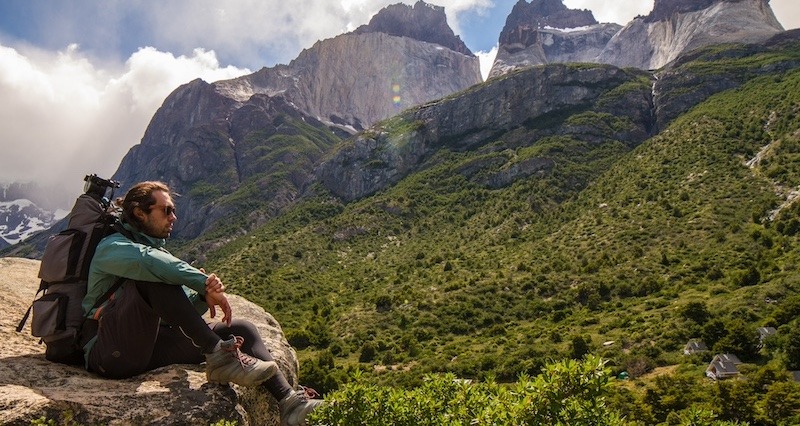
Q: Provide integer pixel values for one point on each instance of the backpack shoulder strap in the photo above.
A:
(121, 229)
(21, 325)
(117, 227)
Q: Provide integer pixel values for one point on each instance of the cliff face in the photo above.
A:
(683, 84)
(677, 27)
(516, 109)
(263, 149)
(339, 82)
(546, 31)
(404, 57)
(527, 46)
(673, 27)
(594, 104)
(245, 147)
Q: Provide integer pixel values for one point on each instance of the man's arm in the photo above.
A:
(128, 259)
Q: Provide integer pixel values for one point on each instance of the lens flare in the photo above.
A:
(396, 98)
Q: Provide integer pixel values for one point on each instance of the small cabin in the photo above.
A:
(723, 366)
(694, 346)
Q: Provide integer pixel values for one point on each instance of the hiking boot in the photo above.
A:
(295, 407)
(229, 364)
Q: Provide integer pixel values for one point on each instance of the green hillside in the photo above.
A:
(623, 252)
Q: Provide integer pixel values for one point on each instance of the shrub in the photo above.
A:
(567, 392)
(367, 352)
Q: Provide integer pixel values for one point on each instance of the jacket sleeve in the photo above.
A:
(125, 258)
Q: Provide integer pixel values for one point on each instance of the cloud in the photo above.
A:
(247, 31)
(620, 12)
(487, 60)
(623, 11)
(64, 117)
(788, 12)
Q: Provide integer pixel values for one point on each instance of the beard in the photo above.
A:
(154, 231)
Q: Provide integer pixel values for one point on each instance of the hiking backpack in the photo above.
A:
(58, 315)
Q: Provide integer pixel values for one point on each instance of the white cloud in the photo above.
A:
(619, 11)
(249, 29)
(623, 11)
(787, 12)
(487, 60)
(64, 117)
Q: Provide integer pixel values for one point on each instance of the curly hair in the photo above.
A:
(140, 195)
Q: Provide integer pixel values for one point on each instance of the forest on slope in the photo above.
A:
(624, 252)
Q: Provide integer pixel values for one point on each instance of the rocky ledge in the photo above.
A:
(32, 388)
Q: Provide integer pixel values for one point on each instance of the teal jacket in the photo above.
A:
(142, 259)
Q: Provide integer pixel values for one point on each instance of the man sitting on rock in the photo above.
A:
(155, 318)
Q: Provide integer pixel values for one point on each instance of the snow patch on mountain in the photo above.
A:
(22, 218)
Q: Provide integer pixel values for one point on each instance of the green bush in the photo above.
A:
(567, 392)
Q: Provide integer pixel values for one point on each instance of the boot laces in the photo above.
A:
(308, 393)
(244, 359)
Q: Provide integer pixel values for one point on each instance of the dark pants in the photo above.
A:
(154, 324)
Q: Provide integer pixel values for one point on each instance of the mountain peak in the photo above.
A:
(544, 13)
(423, 22)
(664, 9)
(675, 27)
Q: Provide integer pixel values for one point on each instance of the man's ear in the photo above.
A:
(139, 213)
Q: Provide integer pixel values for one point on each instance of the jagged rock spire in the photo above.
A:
(543, 13)
(423, 22)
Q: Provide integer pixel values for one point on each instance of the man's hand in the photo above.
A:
(215, 296)
(214, 299)
(214, 284)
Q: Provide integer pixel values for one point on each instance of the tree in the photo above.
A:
(383, 303)
(566, 393)
(741, 339)
(713, 331)
(792, 345)
(670, 394)
(781, 402)
(735, 401)
(579, 347)
(696, 311)
(749, 277)
(367, 352)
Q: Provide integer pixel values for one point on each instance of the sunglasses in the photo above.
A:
(168, 210)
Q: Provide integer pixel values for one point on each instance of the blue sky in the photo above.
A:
(247, 34)
(80, 79)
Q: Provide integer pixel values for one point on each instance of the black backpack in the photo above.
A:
(57, 315)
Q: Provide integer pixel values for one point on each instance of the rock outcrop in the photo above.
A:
(545, 31)
(423, 22)
(516, 109)
(32, 387)
(543, 14)
(678, 26)
(531, 46)
(683, 84)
